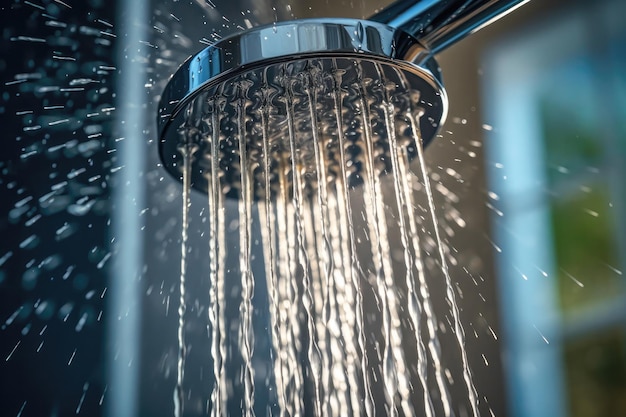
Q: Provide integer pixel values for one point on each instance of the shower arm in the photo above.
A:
(438, 24)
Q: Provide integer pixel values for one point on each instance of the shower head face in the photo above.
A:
(283, 112)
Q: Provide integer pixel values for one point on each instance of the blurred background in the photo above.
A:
(532, 157)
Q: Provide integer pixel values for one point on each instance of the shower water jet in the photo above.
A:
(310, 126)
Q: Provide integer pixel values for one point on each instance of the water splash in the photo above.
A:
(56, 173)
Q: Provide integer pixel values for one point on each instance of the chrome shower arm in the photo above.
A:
(438, 24)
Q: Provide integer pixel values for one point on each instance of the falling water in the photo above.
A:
(322, 158)
(246, 338)
(217, 257)
(188, 150)
(352, 271)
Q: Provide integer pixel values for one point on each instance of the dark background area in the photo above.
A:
(54, 205)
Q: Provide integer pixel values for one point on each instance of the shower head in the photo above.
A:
(276, 87)
(260, 83)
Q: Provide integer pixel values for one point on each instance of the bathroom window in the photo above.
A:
(582, 201)
(582, 185)
(556, 97)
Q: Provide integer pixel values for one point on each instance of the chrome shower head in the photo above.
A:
(260, 84)
(275, 88)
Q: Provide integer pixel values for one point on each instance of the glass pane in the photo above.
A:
(584, 227)
(585, 249)
(596, 375)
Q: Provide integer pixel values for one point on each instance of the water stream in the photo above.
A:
(325, 162)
